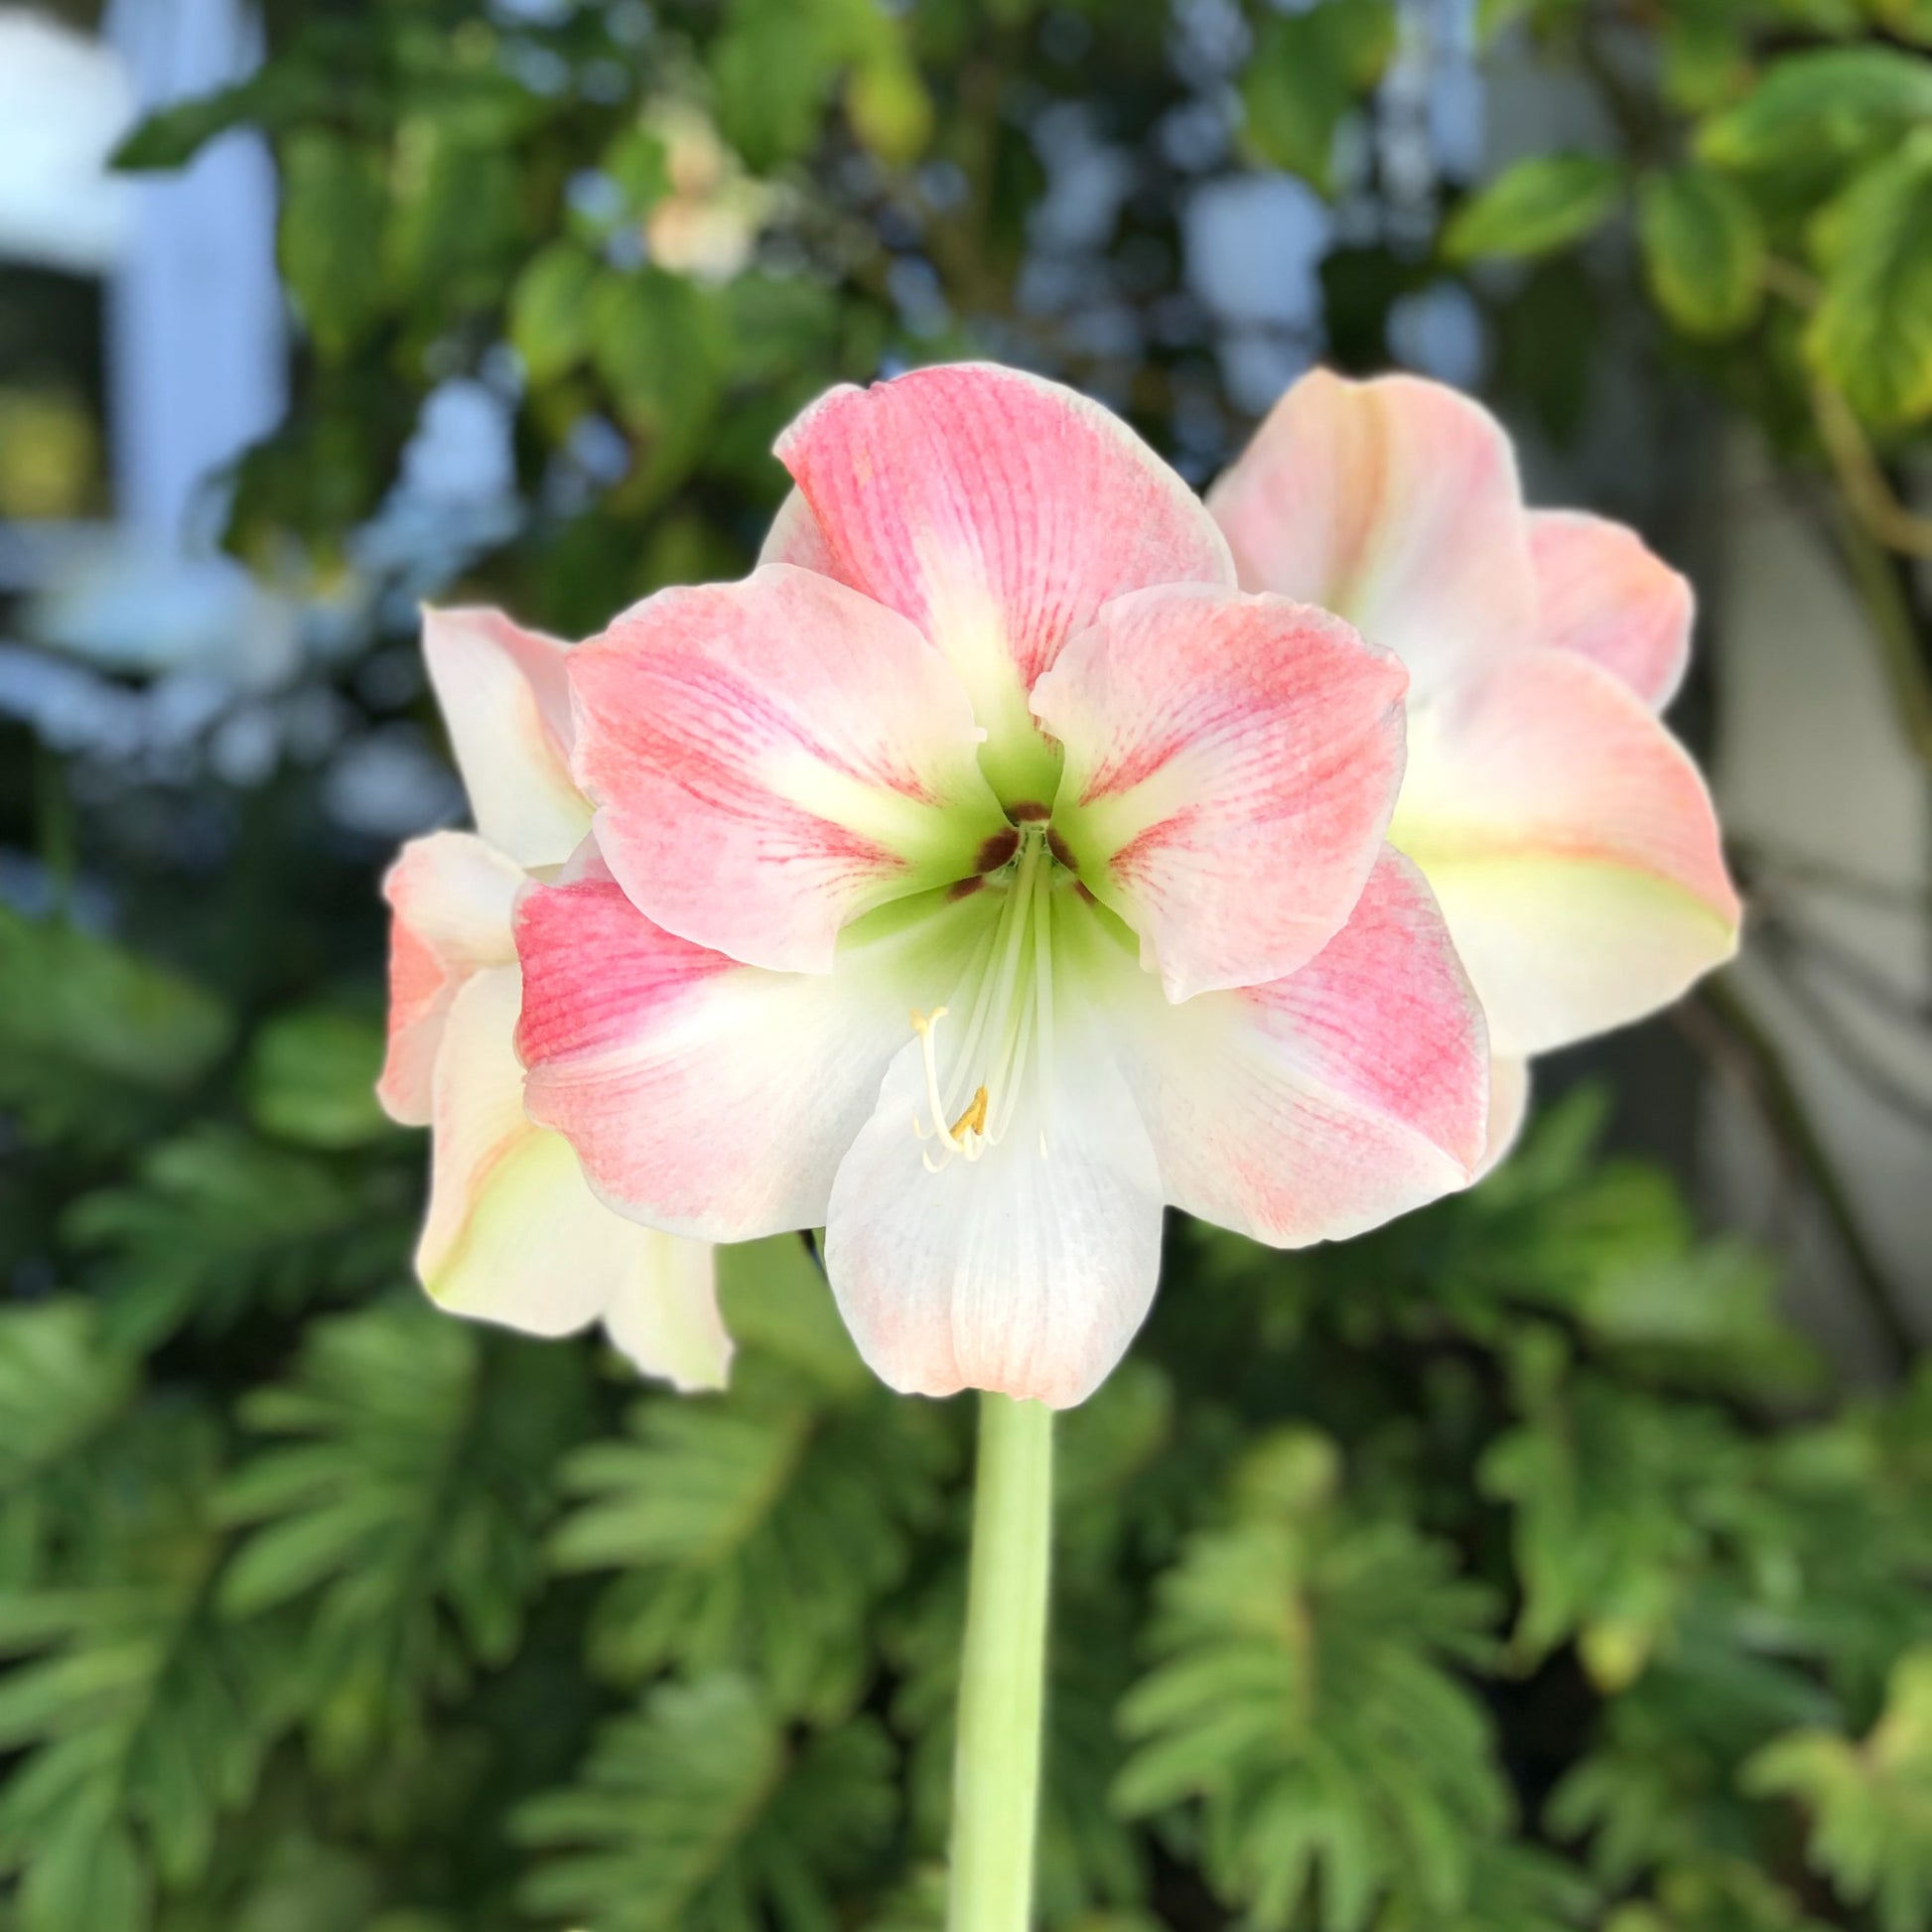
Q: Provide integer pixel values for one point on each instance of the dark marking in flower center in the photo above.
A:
(1060, 850)
(998, 849)
(1027, 812)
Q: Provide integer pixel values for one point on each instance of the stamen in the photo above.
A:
(923, 1023)
(973, 1120)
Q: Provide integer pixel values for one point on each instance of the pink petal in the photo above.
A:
(998, 512)
(795, 538)
(451, 897)
(1026, 1271)
(1231, 765)
(514, 1236)
(1572, 845)
(1324, 1103)
(774, 758)
(704, 1096)
(504, 698)
(1601, 591)
(1396, 504)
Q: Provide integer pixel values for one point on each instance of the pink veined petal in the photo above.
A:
(450, 895)
(513, 1234)
(1509, 1110)
(1026, 1271)
(1231, 765)
(998, 512)
(795, 538)
(1396, 504)
(1572, 847)
(1323, 1104)
(504, 698)
(704, 1096)
(774, 758)
(1603, 592)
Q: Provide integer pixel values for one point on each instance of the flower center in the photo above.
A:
(970, 1101)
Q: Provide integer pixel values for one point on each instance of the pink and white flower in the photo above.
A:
(512, 1233)
(1566, 835)
(981, 872)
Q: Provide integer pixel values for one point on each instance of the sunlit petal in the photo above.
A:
(1396, 504)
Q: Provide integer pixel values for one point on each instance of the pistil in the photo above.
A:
(1012, 1014)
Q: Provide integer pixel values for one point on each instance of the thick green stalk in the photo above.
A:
(1002, 1682)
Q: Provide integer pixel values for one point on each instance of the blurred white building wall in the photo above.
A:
(1811, 764)
(197, 342)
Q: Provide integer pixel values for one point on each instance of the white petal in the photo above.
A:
(1028, 1270)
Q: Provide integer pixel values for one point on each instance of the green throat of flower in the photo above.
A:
(973, 1083)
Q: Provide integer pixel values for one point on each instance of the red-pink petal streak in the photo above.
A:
(973, 495)
(771, 758)
(450, 896)
(1230, 766)
(702, 1096)
(1602, 593)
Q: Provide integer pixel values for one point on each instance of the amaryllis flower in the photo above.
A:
(513, 1234)
(1566, 835)
(983, 871)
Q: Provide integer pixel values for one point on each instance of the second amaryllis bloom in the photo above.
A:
(1567, 833)
(981, 872)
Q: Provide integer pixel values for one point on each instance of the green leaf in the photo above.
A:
(888, 107)
(774, 67)
(310, 1078)
(216, 1224)
(1871, 333)
(1534, 207)
(655, 341)
(89, 1032)
(60, 1386)
(142, 1717)
(1604, 1484)
(1704, 250)
(334, 204)
(1308, 72)
(1815, 114)
(403, 1505)
(280, 95)
(755, 1529)
(1910, 20)
(1870, 1803)
(455, 228)
(1300, 1696)
(699, 1815)
(550, 310)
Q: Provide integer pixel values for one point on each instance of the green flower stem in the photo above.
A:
(1002, 1681)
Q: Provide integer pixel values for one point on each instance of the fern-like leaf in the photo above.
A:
(1300, 1696)
(699, 1813)
(403, 1505)
(756, 1529)
(143, 1715)
(1870, 1804)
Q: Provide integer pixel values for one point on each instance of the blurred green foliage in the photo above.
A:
(1516, 1569)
